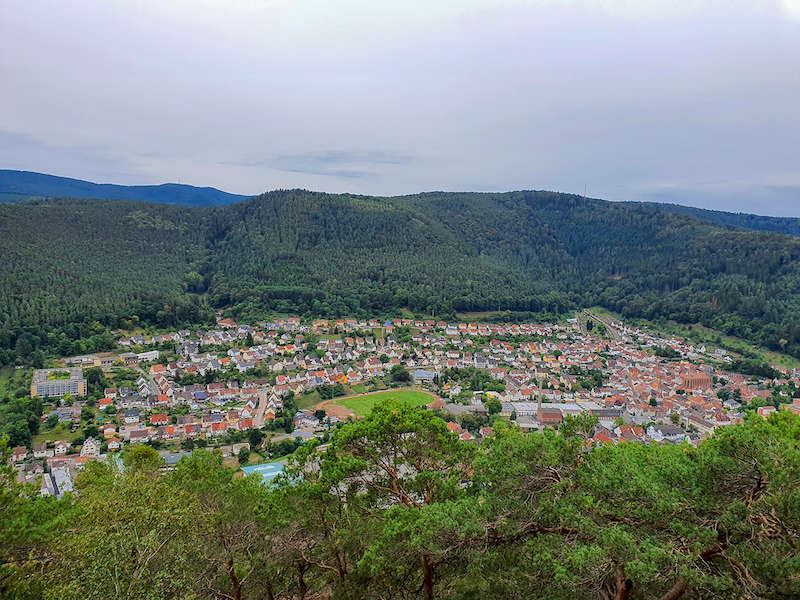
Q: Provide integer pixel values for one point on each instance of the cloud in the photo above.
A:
(347, 164)
(791, 8)
(396, 98)
(93, 162)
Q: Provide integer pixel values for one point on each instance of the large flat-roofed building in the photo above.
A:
(48, 383)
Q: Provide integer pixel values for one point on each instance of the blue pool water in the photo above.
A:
(268, 471)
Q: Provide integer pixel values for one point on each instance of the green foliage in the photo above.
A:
(330, 391)
(397, 507)
(255, 437)
(141, 459)
(472, 422)
(748, 366)
(28, 523)
(493, 405)
(399, 374)
(587, 378)
(666, 352)
(136, 536)
(20, 419)
(473, 379)
(294, 251)
(283, 448)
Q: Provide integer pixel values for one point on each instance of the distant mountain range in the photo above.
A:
(16, 186)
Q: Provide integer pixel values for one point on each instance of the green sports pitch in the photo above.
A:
(363, 405)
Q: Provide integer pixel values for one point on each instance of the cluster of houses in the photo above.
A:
(543, 369)
(54, 470)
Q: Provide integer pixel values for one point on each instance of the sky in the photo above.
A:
(686, 101)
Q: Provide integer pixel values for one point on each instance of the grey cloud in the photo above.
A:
(25, 152)
(348, 164)
(616, 97)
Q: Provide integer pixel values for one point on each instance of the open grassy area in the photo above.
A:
(307, 400)
(363, 405)
(314, 398)
(6, 373)
(359, 388)
(62, 431)
(14, 382)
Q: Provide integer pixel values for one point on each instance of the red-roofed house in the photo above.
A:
(159, 419)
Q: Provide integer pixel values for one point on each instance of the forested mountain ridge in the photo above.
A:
(17, 186)
(20, 185)
(788, 225)
(70, 263)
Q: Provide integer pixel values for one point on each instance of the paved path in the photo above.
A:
(258, 418)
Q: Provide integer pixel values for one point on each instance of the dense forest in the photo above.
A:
(397, 507)
(788, 225)
(72, 269)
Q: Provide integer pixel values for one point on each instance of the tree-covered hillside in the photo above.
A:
(71, 269)
(397, 507)
(788, 225)
(69, 262)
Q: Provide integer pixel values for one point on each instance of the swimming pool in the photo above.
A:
(268, 471)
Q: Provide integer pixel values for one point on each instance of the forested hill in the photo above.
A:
(20, 185)
(73, 267)
(788, 225)
(16, 186)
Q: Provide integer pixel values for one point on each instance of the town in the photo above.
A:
(257, 392)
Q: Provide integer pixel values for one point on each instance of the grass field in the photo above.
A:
(13, 380)
(6, 373)
(307, 400)
(363, 405)
(312, 399)
(59, 432)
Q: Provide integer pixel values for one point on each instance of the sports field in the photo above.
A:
(363, 405)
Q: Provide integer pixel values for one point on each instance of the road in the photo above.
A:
(258, 418)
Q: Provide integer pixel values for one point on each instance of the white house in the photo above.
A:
(90, 448)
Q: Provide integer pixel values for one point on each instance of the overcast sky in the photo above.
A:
(679, 101)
